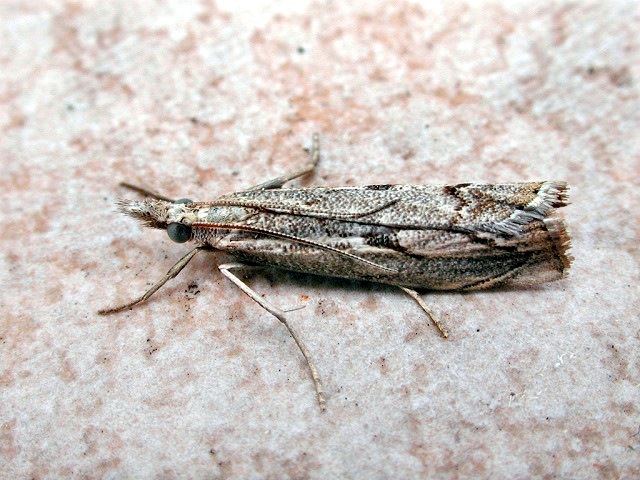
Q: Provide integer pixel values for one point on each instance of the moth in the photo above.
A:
(468, 236)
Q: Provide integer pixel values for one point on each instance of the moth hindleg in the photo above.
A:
(413, 294)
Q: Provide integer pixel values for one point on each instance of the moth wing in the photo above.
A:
(497, 208)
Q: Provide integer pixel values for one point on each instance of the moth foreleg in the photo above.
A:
(278, 182)
(413, 294)
(280, 315)
(172, 273)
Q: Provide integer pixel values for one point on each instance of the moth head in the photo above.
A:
(174, 217)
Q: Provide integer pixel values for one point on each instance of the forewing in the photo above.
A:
(499, 208)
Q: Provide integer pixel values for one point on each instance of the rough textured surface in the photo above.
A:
(197, 99)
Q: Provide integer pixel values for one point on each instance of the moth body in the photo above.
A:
(438, 237)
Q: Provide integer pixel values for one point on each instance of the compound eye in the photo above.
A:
(178, 232)
(184, 200)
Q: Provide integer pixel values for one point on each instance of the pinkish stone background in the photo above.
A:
(200, 98)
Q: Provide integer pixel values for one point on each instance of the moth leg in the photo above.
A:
(413, 294)
(278, 182)
(172, 273)
(280, 315)
(146, 193)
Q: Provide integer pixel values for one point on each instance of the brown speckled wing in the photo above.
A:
(466, 236)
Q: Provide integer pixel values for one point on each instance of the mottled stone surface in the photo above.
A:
(196, 99)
